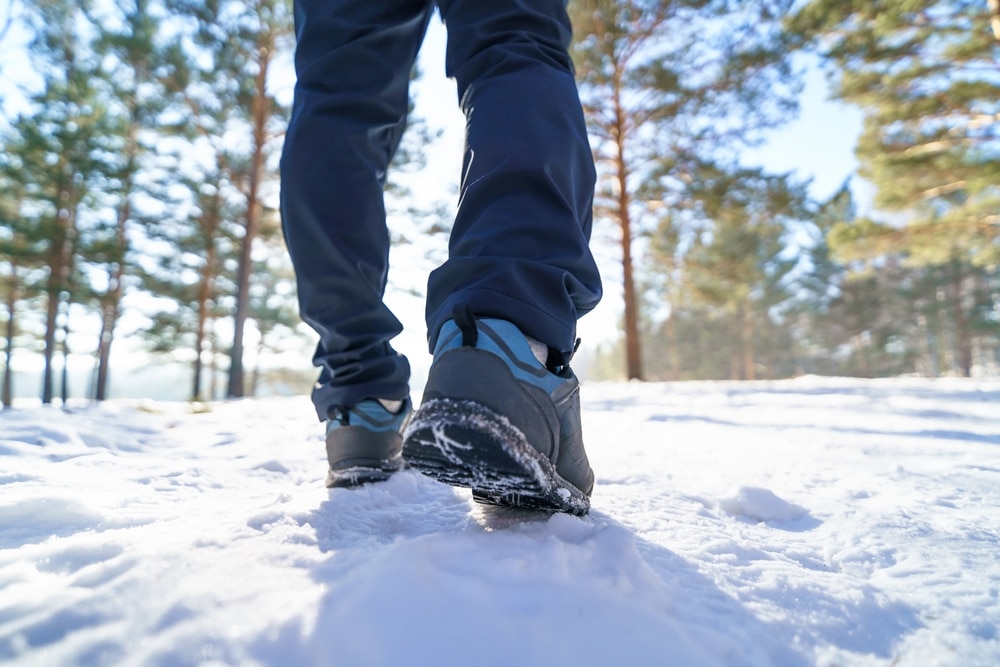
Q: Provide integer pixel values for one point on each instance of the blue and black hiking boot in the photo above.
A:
(496, 419)
(364, 442)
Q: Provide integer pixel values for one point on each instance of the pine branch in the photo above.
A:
(939, 146)
(945, 189)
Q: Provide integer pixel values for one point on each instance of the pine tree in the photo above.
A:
(130, 66)
(60, 150)
(923, 74)
(737, 263)
(196, 244)
(819, 283)
(666, 84)
(241, 40)
(852, 316)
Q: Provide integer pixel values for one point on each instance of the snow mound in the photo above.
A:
(760, 505)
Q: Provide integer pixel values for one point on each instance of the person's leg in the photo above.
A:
(501, 409)
(353, 60)
(519, 247)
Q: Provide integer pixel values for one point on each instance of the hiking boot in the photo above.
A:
(496, 419)
(364, 441)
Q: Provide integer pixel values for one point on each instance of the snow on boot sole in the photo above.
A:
(463, 443)
(349, 477)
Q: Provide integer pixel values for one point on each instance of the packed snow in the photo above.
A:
(804, 522)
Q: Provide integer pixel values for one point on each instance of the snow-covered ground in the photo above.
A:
(808, 522)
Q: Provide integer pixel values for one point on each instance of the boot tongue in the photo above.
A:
(539, 349)
(391, 405)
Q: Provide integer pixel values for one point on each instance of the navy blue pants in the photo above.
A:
(519, 246)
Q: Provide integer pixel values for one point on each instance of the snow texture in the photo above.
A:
(810, 522)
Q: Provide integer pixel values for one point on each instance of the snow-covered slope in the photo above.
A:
(809, 522)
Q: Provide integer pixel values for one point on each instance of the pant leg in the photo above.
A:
(353, 60)
(519, 248)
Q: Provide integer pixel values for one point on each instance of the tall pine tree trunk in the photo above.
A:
(110, 312)
(201, 331)
(109, 316)
(111, 303)
(59, 270)
(633, 352)
(259, 116)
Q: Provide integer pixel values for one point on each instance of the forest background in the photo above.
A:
(140, 243)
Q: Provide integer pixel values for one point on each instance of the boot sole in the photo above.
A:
(465, 444)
